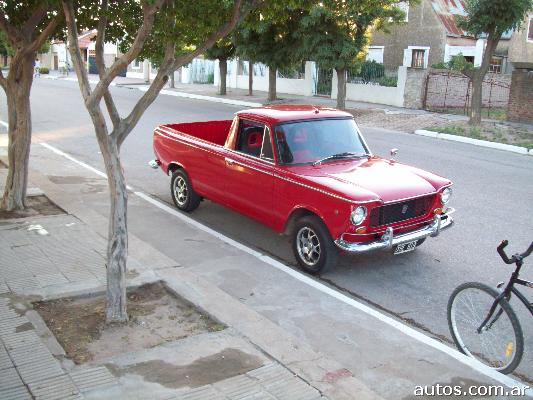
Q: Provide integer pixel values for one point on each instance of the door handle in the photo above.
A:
(229, 161)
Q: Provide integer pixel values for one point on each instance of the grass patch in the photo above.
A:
(498, 133)
(499, 114)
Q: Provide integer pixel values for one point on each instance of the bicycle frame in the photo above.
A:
(506, 294)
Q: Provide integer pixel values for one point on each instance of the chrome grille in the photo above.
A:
(391, 213)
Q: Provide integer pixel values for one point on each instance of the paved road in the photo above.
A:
(493, 195)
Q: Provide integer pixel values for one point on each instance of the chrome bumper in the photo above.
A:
(388, 240)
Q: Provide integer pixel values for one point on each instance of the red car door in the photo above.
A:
(249, 176)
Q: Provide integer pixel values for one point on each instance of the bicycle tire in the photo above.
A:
(509, 342)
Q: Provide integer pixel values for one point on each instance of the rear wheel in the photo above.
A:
(500, 344)
(313, 246)
(183, 195)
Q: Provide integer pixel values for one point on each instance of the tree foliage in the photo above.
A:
(224, 49)
(271, 41)
(336, 33)
(270, 35)
(493, 16)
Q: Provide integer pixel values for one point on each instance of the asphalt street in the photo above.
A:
(493, 195)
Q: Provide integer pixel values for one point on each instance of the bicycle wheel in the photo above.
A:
(500, 344)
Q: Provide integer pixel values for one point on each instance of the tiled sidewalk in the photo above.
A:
(60, 252)
(28, 370)
(48, 251)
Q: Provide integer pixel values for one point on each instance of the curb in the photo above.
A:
(63, 78)
(169, 92)
(475, 142)
(206, 98)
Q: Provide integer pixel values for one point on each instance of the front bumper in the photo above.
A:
(389, 240)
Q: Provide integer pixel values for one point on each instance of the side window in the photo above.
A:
(266, 149)
(250, 138)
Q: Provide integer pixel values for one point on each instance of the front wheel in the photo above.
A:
(183, 195)
(500, 343)
(313, 246)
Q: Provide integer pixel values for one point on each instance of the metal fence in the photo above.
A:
(202, 71)
(449, 90)
(372, 73)
(295, 72)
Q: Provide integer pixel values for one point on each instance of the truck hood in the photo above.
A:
(374, 179)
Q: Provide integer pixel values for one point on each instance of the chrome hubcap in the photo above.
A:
(308, 246)
(180, 191)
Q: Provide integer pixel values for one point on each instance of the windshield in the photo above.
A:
(307, 142)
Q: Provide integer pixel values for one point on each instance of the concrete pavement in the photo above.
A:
(45, 257)
(339, 347)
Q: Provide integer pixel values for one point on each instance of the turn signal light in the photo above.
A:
(361, 229)
(438, 211)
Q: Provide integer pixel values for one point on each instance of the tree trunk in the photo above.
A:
(341, 88)
(117, 248)
(18, 86)
(476, 102)
(250, 78)
(272, 74)
(223, 66)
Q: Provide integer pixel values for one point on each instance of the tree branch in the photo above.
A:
(97, 117)
(211, 40)
(123, 61)
(13, 34)
(72, 40)
(100, 64)
(169, 65)
(150, 95)
(46, 33)
(31, 23)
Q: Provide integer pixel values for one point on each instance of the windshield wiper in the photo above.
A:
(345, 154)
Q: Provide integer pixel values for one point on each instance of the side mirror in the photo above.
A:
(393, 153)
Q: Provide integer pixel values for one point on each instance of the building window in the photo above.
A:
(136, 64)
(417, 58)
(375, 53)
(530, 30)
(405, 8)
(495, 65)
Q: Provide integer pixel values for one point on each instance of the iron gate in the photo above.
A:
(323, 81)
(452, 90)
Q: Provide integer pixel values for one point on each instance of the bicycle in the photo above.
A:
(482, 322)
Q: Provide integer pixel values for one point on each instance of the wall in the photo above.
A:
(422, 29)
(521, 97)
(520, 49)
(474, 49)
(304, 87)
(392, 96)
(63, 55)
(414, 87)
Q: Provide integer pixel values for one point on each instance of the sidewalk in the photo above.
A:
(47, 257)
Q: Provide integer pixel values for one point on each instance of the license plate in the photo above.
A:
(405, 247)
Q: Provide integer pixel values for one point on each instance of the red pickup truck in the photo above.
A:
(305, 171)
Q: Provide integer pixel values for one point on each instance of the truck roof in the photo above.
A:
(292, 112)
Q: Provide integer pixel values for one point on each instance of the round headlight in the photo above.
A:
(358, 215)
(445, 195)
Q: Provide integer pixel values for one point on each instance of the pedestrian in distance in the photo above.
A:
(37, 68)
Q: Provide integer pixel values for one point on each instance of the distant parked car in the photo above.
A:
(305, 171)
